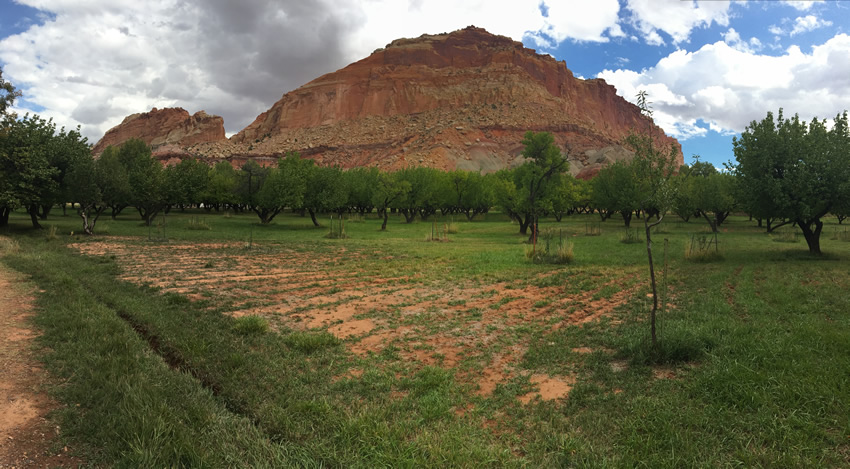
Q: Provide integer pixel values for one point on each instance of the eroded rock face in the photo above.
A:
(461, 100)
(170, 127)
(458, 100)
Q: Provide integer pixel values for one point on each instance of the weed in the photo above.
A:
(248, 325)
(593, 229)
(785, 236)
(549, 250)
(198, 224)
(631, 236)
(310, 342)
(703, 248)
(50, 234)
(841, 235)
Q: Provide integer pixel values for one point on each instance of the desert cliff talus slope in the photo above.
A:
(165, 127)
(457, 100)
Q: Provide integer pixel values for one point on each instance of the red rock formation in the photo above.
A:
(457, 100)
(165, 128)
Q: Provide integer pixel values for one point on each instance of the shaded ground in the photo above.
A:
(479, 330)
(27, 438)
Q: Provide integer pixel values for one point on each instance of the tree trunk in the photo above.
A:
(711, 223)
(45, 210)
(33, 211)
(812, 235)
(648, 227)
(409, 215)
(386, 216)
(89, 222)
(523, 223)
(627, 217)
(4, 216)
(313, 217)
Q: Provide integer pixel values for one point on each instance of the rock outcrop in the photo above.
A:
(457, 100)
(171, 128)
(460, 100)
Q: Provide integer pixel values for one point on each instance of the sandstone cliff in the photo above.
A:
(457, 100)
(160, 128)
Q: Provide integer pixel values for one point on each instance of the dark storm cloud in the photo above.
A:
(260, 49)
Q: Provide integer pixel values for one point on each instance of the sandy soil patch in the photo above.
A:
(27, 437)
(436, 325)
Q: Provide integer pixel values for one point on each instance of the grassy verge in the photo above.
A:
(752, 369)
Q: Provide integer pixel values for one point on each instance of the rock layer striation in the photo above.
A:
(460, 100)
(169, 127)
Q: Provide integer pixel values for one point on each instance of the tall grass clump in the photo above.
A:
(549, 249)
(198, 224)
(630, 236)
(337, 229)
(785, 236)
(50, 235)
(250, 325)
(841, 235)
(703, 248)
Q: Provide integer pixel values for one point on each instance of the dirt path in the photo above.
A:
(27, 438)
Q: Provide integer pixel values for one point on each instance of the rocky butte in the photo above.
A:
(460, 100)
(165, 130)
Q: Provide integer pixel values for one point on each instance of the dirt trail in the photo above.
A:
(27, 438)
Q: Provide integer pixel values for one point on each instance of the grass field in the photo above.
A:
(213, 341)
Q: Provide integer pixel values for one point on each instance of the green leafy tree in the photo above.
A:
(146, 178)
(795, 171)
(85, 183)
(361, 188)
(712, 194)
(616, 189)
(26, 176)
(116, 190)
(252, 176)
(8, 94)
(426, 191)
(653, 166)
(220, 192)
(284, 186)
(327, 191)
(62, 150)
(467, 192)
(533, 181)
(565, 196)
(541, 173)
(389, 188)
(186, 182)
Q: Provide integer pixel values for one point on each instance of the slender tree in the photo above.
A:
(653, 166)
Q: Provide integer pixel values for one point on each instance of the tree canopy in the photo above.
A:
(792, 170)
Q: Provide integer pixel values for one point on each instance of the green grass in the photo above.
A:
(751, 370)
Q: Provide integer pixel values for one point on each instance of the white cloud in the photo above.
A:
(94, 62)
(802, 5)
(808, 23)
(676, 18)
(727, 88)
(734, 40)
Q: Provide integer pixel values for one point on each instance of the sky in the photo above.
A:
(709, 67)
